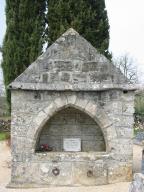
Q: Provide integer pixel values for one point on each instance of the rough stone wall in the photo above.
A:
(71, 123)
(75, 71)
(70, 63)
(113, 112)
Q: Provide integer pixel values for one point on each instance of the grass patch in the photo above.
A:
(4, 136)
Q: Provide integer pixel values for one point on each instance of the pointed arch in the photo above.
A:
(83, 105)
(70, 122)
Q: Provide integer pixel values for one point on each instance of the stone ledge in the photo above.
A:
(70, 86)
(72, 156)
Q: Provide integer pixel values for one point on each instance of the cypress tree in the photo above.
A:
(88, 17)
(23, 40)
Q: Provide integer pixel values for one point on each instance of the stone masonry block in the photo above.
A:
(91, 108)
(119, 172)
(71, 98)
(60, 101)
(50, 109)
(40, 118)
(89, 174)
(81, 103)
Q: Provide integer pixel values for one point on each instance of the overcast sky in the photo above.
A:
(126, 18)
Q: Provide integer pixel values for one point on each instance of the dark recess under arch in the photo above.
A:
(71, 123)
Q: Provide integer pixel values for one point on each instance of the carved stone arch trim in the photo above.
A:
(84, 105)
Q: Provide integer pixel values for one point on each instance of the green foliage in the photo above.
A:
(88, 17)
(4, 136)
(3, 107)
(26, 23)
(139, 113)
(139, 104)
(23, 40)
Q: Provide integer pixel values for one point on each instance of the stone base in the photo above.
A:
(82, 169)
(69, 169)
(120, 173)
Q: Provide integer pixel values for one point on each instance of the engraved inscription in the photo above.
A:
(72, 144)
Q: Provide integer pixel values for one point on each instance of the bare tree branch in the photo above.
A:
(126, 64)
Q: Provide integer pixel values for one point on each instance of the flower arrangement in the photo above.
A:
(45, 147)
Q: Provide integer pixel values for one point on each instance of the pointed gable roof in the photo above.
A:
(71, 63)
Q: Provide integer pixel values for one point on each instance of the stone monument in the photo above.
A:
(72, 119)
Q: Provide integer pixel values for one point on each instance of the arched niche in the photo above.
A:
(70, 122)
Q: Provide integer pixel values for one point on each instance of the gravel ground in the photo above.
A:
(5, 176)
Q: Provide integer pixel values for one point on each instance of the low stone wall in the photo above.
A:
(138, 183)
(5, 125)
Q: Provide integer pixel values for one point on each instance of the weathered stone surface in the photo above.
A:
(26, 121)
(90, 173)
(79, 62)
(71, 91)
(119, 172)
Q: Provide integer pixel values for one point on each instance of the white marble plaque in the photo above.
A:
(72, 144)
